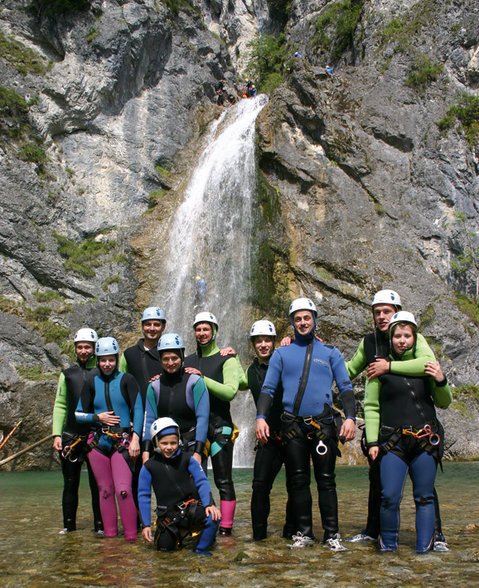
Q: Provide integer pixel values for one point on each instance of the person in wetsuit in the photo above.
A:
(373, 354)
(222, 380)
(69, 437)
(179, 395)
(270, 456)
(402, 431)
(183, 493)
(109, 402)
(306, 370)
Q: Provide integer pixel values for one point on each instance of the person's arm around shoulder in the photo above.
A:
(358, 362)
(123, 364)
(441, 393)
(226, 390)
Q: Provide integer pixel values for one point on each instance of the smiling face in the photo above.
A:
(171, 361)
(152, 331)
(203, 333)
(403, 338)
(264, 346)
(168, 445)
(382, 315)
(107, 364)
(303, 321)
(84, 350)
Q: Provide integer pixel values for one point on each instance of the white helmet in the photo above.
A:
(402, 317)
(85, 334)
(302, 304)
(205, 317)
(107, 346)
(387, 297)
(171, 342)
(262, 328)
(161, 427)
(153, 313)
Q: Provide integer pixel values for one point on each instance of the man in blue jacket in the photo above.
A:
(311, 426)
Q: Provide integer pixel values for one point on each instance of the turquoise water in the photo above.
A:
(33, 554)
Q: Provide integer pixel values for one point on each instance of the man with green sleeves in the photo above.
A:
(222, 380)
(373, 354)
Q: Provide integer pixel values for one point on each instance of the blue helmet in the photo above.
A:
(153, 313)
(171, 342)
(107, 346)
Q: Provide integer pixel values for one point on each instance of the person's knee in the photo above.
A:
(106, 492)
(326, 482)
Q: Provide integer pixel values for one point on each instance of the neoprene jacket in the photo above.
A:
(70, 385)
(174, 480)
(184, 398)
(141, 363)
(286, 367)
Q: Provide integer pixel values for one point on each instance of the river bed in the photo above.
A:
(33, 554)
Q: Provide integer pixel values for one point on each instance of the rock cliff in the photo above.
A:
(102, 111)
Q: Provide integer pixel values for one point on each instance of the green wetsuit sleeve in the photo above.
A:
(243, 379)
(414, 367)
(227, 390)
(371, 410)
(60, 407)
(358, 362)
(123, 365)
(441, 395)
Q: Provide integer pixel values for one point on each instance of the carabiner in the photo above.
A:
(434, 439)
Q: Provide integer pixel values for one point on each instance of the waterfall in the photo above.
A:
(210, 238)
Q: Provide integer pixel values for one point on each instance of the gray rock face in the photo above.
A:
(359, 190)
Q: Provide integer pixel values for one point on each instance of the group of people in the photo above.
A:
(152, 418)
(226, 96)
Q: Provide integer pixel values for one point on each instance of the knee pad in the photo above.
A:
(423, 500)
(106, 493)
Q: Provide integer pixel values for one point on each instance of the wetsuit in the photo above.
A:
(141, 363)
(395, 404)
(303, 440)
(222, 380)
(373, 346)
(176, 481)
(268, 458)
(109, 459)
(69, 388)
(184, 398)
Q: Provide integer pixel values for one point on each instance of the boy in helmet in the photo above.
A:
(306, 370)
(184, 500)
(69, 437)
(373, 354)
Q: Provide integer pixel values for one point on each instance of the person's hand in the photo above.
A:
(109, 418)
(373, 452)
(433, 368)
(262, 431)
(146, 532)
(214, 511)
(145, 456)
(285, 341)
(192, 370)
(153, 378)
(197, 457)
(57, 443)
(227, 351)
(134, 448)
(348, 430)
(378, 368)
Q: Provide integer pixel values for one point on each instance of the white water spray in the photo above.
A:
(211, 239)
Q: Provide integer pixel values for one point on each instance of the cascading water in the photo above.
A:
(210, 240)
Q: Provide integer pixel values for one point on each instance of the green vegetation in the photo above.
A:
(35, 373)
(402, 32)
(20, 57)
(82, 258)
(465, 249)
(467, 307)
(428, 316)
(279, 11)
(469, 390)
(466, 113)
(163, 171)
(154, 197)
(271, 57)
(110, 280)
(423, 72)
(33, 152)
(177, 5)
(336, 26)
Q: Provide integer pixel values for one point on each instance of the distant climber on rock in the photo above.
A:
(200, 293)
(220, 90)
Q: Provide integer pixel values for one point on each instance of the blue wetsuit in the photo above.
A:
(327, 366)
